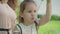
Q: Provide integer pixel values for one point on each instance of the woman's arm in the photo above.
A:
(48, 14)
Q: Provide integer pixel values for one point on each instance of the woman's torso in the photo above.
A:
(7, 16)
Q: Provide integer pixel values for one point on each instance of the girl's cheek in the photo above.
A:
(29, 15)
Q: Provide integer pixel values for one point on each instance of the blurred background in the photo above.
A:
(53, 26)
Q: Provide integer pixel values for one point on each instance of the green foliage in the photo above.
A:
(42, 0)
(39, 16)
(53, 17)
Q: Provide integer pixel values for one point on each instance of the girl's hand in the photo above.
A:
(48, 1)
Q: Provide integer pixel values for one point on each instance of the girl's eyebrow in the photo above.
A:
(29, 10)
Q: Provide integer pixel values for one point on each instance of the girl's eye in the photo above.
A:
(34, 11)
(29, 11)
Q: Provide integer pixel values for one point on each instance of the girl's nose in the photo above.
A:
(32, 14)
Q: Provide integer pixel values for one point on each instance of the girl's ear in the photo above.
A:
(21, 14)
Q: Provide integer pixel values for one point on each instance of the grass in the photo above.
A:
(52, 27)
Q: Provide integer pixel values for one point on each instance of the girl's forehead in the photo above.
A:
(30, 6)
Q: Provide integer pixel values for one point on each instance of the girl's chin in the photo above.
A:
(32, 20)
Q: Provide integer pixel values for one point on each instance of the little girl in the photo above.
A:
(29, 23)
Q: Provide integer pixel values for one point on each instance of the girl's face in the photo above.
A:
(30, 13)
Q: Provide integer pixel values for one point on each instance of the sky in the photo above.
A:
(41, 7)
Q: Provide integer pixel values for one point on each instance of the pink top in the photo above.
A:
(7, 16)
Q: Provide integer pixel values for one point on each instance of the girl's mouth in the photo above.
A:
(33, 18)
